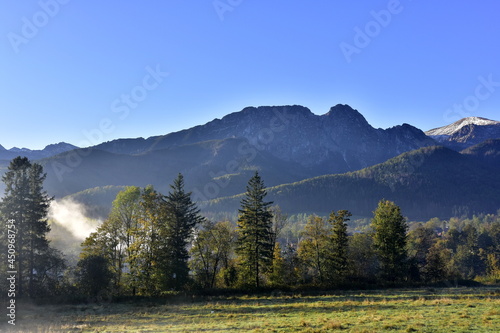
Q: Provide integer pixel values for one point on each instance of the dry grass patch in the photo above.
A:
(461, 310)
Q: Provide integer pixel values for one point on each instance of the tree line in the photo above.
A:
(152, 244)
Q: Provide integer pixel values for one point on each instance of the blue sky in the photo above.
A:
(90, 71)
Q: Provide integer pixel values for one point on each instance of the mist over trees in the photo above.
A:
(153, 244)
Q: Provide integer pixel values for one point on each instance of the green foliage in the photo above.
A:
(420, 240)
(389, 240)
(211, 252)
(26, 203)
(93, 275)
(278, 270)
(255, 235)
(437, 263)
(423, 182)
(313, 250)
(144, 263)
(145, 239)
(152, 244)
(362, 258)
(181, 219)
(337, 259)
(113, 239)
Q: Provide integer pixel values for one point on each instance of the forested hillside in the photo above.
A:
(429, 182)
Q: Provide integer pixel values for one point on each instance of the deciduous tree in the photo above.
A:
(313, 249)
(211, 251)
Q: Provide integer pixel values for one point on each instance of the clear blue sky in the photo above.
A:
(65, 69)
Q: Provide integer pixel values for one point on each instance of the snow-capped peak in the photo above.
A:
(456, 126)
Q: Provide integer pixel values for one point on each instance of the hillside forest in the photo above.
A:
(154, 244)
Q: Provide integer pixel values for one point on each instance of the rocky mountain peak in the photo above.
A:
(466, 132)
(343, 113)
(57, 148)
(457, 126)
(338, 141)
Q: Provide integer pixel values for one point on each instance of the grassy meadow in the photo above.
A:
(398, 310)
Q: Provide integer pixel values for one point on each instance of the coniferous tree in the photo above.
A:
(254, 245)
(339, 243)
(389, 240)
(182, 215)
(26, 203)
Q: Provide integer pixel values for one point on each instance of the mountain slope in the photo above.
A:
(48, 151)
(338, 141)
(466, 132)
(212, 168)
(428, 182)
(487, 151)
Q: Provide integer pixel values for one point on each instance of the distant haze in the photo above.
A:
(72, 216)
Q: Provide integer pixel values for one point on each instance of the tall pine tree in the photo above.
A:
(26, 203)
(254, 245)
(390, 240)
(182, 216)
(339, 246)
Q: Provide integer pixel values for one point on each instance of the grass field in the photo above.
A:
(412, 310)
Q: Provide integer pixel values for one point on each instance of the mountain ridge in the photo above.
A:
(466, 132)
(456, 126)
(428, 182)
(287, 145)
(48, 151)
(338, 141)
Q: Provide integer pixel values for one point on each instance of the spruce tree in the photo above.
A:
(181, 217)
(390, 240)
(254, 245)
(26, 204)
(338, 246)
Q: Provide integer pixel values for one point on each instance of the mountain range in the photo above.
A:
(428, 182)
(311, 163)
(50, 150)
(466, 132)
(338, 141)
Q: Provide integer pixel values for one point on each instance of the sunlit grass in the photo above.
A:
(415, 310)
